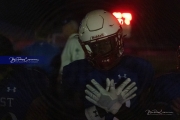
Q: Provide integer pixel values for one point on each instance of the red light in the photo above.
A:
(127, 22)
(127, 16)
(117, 14)
(123, 17)
(120, 21)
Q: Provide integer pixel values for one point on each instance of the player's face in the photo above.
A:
(102, 47)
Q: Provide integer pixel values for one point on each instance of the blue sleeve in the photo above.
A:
(74, 75)
(74, 80)
(73, 84)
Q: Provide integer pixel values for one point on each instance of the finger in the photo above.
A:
(130, 92)
(91, 95)
(112, 86)
(91, 100)
(121, 87)
(132, 96)
(93, 90)
(128, 88)
(107, 84)
(97, 85)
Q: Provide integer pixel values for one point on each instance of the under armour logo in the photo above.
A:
(96, 113)
(9, 89)
(119, 76)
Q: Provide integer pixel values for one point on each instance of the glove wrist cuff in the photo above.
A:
(115, 108)
(101, 111)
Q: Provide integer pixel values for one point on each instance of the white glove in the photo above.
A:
(110, 101)
(125, 94)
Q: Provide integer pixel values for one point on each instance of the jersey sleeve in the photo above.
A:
(73, 90)
(74, 75)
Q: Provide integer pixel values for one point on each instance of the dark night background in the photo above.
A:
(156, 21)
(155, 24)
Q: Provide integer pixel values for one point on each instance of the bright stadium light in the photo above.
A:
(123, 18)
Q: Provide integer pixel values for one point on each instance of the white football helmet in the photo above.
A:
(100, 35)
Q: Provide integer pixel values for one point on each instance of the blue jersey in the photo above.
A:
(78, 74)
(167, 87)
(19, 89)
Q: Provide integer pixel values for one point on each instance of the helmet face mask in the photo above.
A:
(102, 43)
(104, 53)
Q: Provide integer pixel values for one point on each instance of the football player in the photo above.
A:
(19, 86)
(105, 66)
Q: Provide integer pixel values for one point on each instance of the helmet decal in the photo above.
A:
(98, 36)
